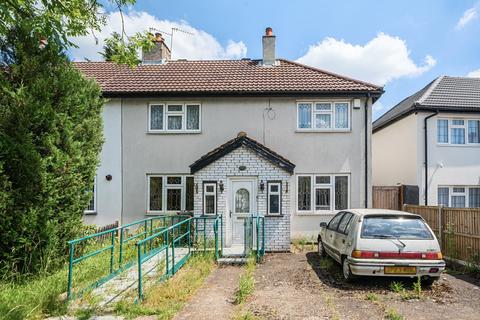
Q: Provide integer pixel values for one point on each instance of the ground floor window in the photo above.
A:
(169, 193)
(322, 192)
(274, 197)
(92, 206)
(210, 198)
(459, 196)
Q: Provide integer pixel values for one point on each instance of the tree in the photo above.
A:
(119, 50)
(50, 128)
(50, 140)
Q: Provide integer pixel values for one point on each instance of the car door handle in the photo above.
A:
(343, 241)
(230, 213)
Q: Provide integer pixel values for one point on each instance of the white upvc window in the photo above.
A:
(458, 131)
(322, 193)
(209, 198)
(174, 117)
(459, 196)
(92, 206)
(323, 116)
(274, 198)
(169, 193)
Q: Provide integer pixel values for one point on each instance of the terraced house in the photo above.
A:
(266, 137)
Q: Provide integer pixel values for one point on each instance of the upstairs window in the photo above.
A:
(323, 116)
(458, 131)
(174, 117)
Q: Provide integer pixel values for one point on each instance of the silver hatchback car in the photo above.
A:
(378, 242)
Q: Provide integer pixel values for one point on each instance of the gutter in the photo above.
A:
(366, 149)
(425, 122)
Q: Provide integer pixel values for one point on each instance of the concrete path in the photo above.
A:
(214, 300)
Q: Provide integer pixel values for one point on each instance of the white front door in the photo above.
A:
(242, 204)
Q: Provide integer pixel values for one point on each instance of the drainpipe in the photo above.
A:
(426, 153)
(366, 149)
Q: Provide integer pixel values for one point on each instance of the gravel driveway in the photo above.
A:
(303, 286)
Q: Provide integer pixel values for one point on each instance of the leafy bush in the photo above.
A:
(50, 140)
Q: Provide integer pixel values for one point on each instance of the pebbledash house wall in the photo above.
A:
(141, 152)
(277, 227)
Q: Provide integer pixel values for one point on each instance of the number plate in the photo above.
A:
(400, 270)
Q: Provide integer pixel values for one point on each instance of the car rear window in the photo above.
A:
(398, 227)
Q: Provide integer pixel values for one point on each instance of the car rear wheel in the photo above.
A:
(428, 281)
(321, 249)
(347, 273)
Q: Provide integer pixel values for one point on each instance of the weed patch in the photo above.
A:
(167, 298)
(246, 285)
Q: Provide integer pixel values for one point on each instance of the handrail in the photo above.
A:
(148, 229)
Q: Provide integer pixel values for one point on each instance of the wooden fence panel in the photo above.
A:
(460, 229)
(387, 197)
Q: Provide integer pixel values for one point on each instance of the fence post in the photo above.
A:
(120, 254)
(70, 271)
(112, 252)
(166, 252)
(440, 226)
(139, 262)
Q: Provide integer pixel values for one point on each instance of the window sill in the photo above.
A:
(323, 131)
(466, 145)
(90, 213)
(274, 216)
(173, 132)
(326, 213)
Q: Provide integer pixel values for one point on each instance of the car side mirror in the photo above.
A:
(323, 224)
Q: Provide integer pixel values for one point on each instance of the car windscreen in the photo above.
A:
(398, 227)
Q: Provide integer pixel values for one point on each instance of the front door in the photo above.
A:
(242, 204)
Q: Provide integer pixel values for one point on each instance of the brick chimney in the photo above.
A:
(159, 53)
(268, 41)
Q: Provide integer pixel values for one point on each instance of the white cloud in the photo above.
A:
(199, 45)
(381, 60)
(468, 16)
(474, 74)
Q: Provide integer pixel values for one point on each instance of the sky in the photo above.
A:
(401, 45)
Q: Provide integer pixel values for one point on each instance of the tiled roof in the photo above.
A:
(219, 76)
(445, 94)
(239, 141)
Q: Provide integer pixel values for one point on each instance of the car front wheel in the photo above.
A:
(347, 273)
(321, 249)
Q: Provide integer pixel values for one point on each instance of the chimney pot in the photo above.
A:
(269, 32)
(158, 37)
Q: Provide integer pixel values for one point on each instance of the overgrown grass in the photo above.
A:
(36, 297)
(392, 314)
(167, 298)
(304, 243)
(246, 284)
(408, 294)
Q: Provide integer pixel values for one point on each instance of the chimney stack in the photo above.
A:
(159, 53)
(268, 41)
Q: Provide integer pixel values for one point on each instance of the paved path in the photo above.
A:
(214, 300)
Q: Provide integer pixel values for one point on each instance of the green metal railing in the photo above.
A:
(254, 236)
(143, 227)
(174, 238)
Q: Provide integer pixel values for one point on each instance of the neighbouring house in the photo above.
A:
(432, 140)
(234, 138)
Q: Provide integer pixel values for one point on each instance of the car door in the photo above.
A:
(329, 241)
(341, 236)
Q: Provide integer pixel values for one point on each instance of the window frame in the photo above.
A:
(451, 194)
(451, 126)
(277, 193)
(165, 186)
(204, 194)
(94, 211)
(332, 113)
(314, 186)
(167, 113)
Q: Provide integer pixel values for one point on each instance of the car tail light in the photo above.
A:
(361, 254)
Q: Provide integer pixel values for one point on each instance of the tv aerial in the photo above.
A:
(171, 33)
